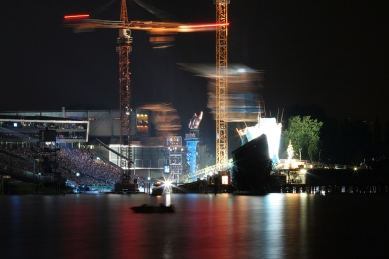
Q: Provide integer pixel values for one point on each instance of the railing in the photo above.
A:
(24, 175)
(210, 170)
(21, 168)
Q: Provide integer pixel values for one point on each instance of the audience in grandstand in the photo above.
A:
(77, 165)
(81, 164)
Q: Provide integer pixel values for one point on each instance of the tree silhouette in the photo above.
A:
(304, 133)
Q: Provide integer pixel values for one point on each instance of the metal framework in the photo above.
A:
(221, 82)
(124, 50)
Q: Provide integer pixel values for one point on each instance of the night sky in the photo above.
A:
(332, 54)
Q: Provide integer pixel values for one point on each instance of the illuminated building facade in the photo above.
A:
(191, 145)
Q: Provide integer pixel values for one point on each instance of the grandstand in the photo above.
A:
(85, 147)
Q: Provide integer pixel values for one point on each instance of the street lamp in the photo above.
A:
(319, 157)
(134, 168)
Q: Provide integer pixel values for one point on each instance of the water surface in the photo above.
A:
(203, 226)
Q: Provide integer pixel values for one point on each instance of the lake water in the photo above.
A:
(203, 226)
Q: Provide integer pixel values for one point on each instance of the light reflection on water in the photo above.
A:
(204, 226)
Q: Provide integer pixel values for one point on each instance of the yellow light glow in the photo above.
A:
(225, 179)
(77, 16)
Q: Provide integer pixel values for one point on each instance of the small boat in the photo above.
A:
(147, 208)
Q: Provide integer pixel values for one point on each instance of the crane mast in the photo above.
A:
(124, 48)
(221, 83)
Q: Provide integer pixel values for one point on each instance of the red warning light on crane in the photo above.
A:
(76, 16)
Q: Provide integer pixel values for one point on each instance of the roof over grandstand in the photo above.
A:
(35, 118)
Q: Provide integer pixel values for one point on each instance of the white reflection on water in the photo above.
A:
(273, 214)
(303, 218)
(168, 198)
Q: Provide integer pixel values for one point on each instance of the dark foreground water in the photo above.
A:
(204, 226)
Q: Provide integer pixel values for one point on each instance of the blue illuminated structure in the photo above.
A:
(191, 145)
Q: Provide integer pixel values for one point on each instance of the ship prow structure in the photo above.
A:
(254, 160)
(252, 167)
(265, 126)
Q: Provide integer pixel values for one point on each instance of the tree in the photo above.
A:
(304, 134)
(204, 158)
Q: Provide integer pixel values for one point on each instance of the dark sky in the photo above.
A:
(332, 54)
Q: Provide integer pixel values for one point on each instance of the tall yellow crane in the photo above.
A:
(221, 83)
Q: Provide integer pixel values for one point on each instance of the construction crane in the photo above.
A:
(124, 49)
(156, 29)
(221, 83)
